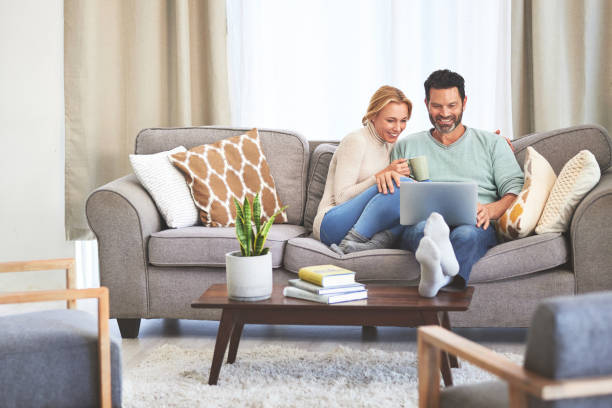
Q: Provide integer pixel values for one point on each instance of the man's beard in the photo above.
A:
(446, 128)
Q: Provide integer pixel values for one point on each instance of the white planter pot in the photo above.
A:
(249, 278)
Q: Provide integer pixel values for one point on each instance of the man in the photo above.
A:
(457, 153)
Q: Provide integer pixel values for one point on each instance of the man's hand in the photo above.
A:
(492, 211)
(393, 172)
(483, 217)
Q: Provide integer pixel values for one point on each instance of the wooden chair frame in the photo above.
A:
(432, 340)
(70, 295)
(68, 264)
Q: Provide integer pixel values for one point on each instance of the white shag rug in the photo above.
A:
(276, 376)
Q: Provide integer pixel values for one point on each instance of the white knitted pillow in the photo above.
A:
(167, 187)
(579, 175)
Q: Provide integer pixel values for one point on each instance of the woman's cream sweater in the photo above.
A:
(360, 155)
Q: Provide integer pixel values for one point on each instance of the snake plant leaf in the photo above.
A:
(257, 213)
(247, 214)
(246, 207)
(239, 212)
(260, 240)
(242, 235)
(266, 229)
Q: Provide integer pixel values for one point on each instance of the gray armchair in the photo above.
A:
(568, 360)
(57, 358)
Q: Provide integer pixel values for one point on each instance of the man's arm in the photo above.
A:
(508, 179)
(494, 210)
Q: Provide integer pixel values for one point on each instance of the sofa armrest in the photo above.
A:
(591, 234)
(122, 215)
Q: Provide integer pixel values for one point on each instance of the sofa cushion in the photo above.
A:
(287, 154)
(577, 178)
(166, 185)
(50, 359)
(203, 246)
(478, 395)
(232, 168)
(521, 218)
(569, 337)
(521, 257)
(379, 264)
(317, 176)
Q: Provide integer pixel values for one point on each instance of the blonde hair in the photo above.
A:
(381, 98)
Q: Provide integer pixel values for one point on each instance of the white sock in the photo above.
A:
(438, 231)
(432, 278)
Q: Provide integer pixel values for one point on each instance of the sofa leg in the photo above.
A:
(129, 328)
(368, 332)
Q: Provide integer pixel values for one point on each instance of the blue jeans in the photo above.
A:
(369, 212)
(469, 242)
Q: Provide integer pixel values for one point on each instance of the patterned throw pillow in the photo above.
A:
(232, 167)
(579, 175)
(521, 218)
(167, 187)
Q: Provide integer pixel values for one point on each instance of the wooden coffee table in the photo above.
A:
(386, 306)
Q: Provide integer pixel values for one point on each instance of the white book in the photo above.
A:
(292, 291)
(316, 289)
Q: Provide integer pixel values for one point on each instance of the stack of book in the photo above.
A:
(326, 284)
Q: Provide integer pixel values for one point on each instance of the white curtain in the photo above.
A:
(311, 66)
(86, 257)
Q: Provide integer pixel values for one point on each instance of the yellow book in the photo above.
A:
(326, 275)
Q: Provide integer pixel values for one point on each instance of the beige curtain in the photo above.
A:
(561, 64)
(133, 64)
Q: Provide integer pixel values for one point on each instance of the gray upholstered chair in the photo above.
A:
(568, 360)
(57, 358)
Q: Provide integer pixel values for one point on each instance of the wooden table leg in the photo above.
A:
(226, 326)
(447, 375)
(454, 363)
(234, 341)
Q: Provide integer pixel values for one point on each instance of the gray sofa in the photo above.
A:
(155, 272)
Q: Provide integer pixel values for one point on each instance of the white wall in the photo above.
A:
(32, 139)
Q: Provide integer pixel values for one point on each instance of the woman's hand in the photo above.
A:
(507, 140)
(393, 172)
(483, 217)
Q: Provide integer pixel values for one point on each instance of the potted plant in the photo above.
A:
(249, 271)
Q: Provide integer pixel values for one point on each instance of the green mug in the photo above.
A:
(418, 168)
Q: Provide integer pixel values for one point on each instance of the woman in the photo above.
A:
(358, 172)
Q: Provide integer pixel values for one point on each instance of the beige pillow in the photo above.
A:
(521, 218)
(579, 175)
(232, 167)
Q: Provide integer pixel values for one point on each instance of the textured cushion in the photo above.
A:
(378, 264)
(317, 176)
(167, 187)
(287, 154)
(490, 394)
(50, 359)
(201, 246)
(232, 167)
(579, 175)
(570, 337)
(521, 218)
(521, 257)
(515, 258)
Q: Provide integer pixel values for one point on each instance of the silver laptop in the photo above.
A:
(455, 201)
